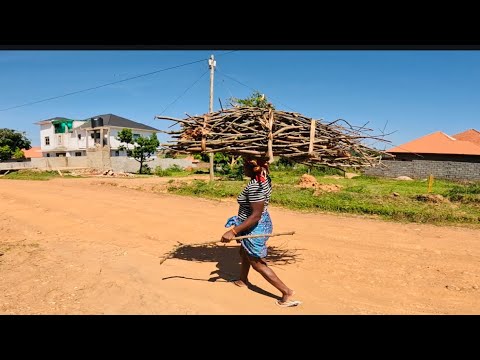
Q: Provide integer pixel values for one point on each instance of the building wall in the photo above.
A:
(114, 143)
(16, 165)
(65, 142)
(421, 169)
(125, 164)
(436, 157)
(47, 130)
(54, 163)
(80, 143)
(97, 160)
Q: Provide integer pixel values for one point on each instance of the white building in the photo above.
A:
(66, 137)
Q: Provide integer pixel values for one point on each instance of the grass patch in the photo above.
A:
(173, 170)
(34, 175)
(467, 194)
(360, 195)
(215, 190)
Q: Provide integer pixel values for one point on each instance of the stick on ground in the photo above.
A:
(176, 248)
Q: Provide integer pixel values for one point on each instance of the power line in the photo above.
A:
(228, 76)
(222, 83)
(111, 83)
(226, 53)
(182, 94)
(100, 86)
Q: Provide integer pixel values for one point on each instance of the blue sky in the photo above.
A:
(413, 93)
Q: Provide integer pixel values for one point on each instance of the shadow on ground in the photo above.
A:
(228, 262)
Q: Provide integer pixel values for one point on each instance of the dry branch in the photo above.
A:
(264, 132)
(178, 247)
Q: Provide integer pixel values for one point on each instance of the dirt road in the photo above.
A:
(83, 246)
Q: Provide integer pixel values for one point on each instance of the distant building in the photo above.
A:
(438, 146)
(63, 137)
(454, 157)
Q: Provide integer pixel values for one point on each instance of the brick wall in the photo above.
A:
(420, 169)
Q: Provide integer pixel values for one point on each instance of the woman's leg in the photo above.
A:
(244, 269)
(269, 275)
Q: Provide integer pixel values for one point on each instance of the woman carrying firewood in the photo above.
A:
(252, 219)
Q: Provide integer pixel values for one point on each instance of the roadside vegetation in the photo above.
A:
(399, 200)
(331, 190)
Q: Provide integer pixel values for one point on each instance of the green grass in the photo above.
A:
(34, 175)
(173, 170)
(360, 195)
(467, 194)
(217, 189)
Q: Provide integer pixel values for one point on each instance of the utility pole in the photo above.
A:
(211, 64)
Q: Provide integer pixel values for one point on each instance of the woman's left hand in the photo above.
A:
(228, 236)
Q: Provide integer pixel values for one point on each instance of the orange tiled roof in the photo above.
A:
(438, 143)
(34, 152)
(471, 135)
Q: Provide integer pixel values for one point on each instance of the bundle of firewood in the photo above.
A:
(264, 132)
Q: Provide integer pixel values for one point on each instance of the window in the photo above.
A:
(47, 140)
(79, 136)
(78, 153)
(92, 135)
(48, 155)
(59, 139)
(117, 153)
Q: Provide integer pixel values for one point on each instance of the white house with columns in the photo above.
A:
(68, 137)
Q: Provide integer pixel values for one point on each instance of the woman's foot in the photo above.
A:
(287, 301)
(240, 283)
(287, 296)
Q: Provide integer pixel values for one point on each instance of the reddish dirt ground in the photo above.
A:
(92, 246)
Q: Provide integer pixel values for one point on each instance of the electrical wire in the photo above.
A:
(229, 77)
(112, 83)
(182, 94)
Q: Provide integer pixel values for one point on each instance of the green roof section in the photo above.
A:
(63, 126)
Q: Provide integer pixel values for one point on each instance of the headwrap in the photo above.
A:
(260, 168)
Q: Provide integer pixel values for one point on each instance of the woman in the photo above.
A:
(253, 218)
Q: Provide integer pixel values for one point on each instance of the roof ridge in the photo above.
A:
(450, 137)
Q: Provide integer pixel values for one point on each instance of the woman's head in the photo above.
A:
(255, 167)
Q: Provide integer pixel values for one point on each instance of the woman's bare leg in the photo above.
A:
(269, 275)
(244, 269)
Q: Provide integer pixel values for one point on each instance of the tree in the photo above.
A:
(143, 147)
(5, 153)
(11, 142)
(255, 100)
(18, 155)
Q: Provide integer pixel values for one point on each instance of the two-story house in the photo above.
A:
(67, 137)
(58, 138)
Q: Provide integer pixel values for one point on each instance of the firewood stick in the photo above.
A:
(176, 248)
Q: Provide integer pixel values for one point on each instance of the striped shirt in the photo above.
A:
(255, 191)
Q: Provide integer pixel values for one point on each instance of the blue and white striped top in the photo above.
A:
(255, 191)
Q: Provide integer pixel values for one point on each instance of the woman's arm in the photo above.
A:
(257, 210)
